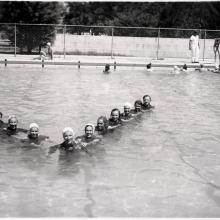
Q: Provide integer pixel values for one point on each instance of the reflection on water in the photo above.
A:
(165, 163)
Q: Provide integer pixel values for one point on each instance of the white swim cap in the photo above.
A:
(34, 125)
(12, 116)
(127, 104)
(48, 43)
(68, 129)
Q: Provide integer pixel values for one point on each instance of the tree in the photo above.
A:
(31, 36)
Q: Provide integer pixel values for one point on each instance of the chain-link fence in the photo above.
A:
(112, 41)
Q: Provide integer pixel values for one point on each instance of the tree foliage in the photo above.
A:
(29, 37)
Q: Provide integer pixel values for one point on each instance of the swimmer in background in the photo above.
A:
(216, 70)
(107, 68)
(114, 120)
(149, 68)
(175, 70)
(137, 108)
(12, 127)
(88, 138)
(102, 125)
(33, 135)
(68, 145)
(1, 122)
(47, 55)
(146, 103)
(126, 115)
(184, 68)
(200, 68)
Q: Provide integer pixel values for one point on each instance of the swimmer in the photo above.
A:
(200, 68)
(88, 138)
(102, 125)
(184, 68)
(12, 126)
(137, 108)
(216, 70)
(114, 120)
(126, 115)
(146, 103)
(1, 122)
(149, 69)
(107, 68)
(175, 70)
(68, 145)
(46, 55)
(33, 135)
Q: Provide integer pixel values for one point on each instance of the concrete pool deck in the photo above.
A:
(102, 60)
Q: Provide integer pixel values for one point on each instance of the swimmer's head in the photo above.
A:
(33, 130)
(146, 99)
(102, 122)
(115, 114)
(12, 122)
(89, 130)
(148, 65)
(137, 105)
(48, 44)
(127, 108)
(107, 67)
(201, 65)
(175, 68)
(185, 67)
(68, 135)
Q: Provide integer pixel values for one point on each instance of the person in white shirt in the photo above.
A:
(194, 47)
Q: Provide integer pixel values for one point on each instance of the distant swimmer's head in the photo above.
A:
(176, 68)
(101, 123)
(48, 44)
(12, 122)
(127, 108)
(148, 65)
(89, 130)
(107, 67)
(185, 67)
(115, 114)
(33, 131)
(146, 99)
(201, 65)
(68, 135)
(137, 105)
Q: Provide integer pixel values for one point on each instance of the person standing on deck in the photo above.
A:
(216, 49)
(194, 47)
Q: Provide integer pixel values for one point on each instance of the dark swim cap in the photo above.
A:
(139, 102)
(148, 65)
(146, 96)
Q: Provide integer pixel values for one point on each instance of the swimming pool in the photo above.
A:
(164, 164)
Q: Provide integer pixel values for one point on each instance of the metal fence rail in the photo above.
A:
(16, 38)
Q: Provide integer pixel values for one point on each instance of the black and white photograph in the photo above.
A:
(109, 109)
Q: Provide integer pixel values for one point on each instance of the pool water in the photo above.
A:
(165, 163)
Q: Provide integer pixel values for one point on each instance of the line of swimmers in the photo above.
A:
(184, 68)
(92, 135)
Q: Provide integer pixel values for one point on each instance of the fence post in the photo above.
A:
(15, 29)
(64, 41)
(112, 43)
(204, 46)
(158, 41)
